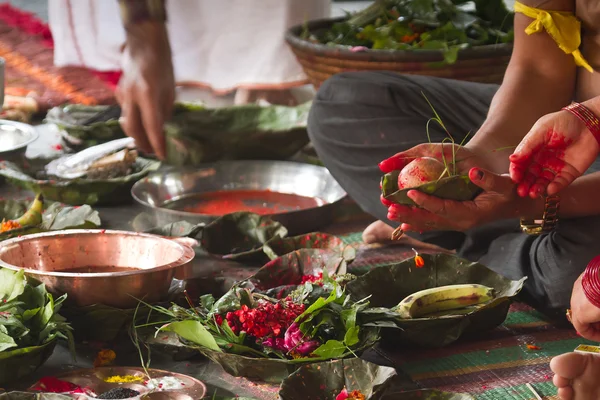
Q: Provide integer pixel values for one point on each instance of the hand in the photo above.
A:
(584, 315)
(464, 157)
(498, 201)
(558, 149)
(146, 91)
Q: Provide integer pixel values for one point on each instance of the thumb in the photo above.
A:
(490, 182)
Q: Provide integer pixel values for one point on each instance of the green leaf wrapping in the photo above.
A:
(283, 274)
(56, 216)
(457, 187)
(388, 285)
(252, 238)
(77, 192)
(324, 381)
(272, 370)
(240, 233)
(30, 318)
(197, 135)
(71, 117)
(17, 363)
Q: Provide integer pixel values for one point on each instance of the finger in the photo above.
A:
(539, 188)
(131, 123)
(561, 381)
(385, 201)
(153, 120)
(395, 162)
(560, 181)
(398, 213)
(430, 203)
(490, 182)
(524, 187)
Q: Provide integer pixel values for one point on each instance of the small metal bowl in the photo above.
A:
(14, 139)
(144, 265)
(161, 189)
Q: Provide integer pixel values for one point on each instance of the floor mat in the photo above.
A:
(495, 365)
(27, 47)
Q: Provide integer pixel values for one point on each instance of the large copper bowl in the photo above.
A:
(143, 265)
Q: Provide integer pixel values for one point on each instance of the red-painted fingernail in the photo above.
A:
(475, 174)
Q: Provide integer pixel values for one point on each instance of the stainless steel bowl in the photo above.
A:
(162, 188)
(14, 139)
(146, 264)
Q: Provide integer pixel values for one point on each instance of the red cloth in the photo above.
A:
(31, 24)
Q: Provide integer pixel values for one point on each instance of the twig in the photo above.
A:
(537, 396)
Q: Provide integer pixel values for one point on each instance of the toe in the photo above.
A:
(569, 365)
(561, 381)
(566, 393)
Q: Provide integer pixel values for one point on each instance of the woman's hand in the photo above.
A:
(146, 91)
(584, 315)
(464, 157)
(498, 201)
(558, 149)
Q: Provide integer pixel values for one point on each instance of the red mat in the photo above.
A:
(28, 49)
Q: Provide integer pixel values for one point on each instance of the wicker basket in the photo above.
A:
(485, 64)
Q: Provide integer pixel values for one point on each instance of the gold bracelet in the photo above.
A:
(549, 218)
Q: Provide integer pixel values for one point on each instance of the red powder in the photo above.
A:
(261, 202)
(50, 384)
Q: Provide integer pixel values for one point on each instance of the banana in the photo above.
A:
(443, 298)
(33, 216)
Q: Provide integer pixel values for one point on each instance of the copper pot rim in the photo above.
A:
(188, 253)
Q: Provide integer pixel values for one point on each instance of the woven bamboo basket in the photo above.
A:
(486, 64)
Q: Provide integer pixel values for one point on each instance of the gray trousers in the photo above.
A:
(360, 119)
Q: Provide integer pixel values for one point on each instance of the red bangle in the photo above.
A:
(591, 281)
(587, 117)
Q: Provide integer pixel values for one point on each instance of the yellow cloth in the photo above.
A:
(563, 27)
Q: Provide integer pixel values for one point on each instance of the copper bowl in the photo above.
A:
(115, 268)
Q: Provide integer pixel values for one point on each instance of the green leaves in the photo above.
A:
(240, 233)
(197, 135)
(324, 381)
(29, 324)
(56, 216)
(457, 187)
(419, 25)
(387, 285)
(193, 331)
(77, 192)
(12, 284)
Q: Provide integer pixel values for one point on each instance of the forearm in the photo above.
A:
(540, 79)
(524, 97)
(581, 198)
(145, 26)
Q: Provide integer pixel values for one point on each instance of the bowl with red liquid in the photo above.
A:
(303, 197)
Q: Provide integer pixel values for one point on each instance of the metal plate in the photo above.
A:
(93, 379)
(15, 136)
(162, 188)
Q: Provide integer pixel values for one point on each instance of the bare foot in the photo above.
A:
(576, 376)
(377, 232)
(380, 232)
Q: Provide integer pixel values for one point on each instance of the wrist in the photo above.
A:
(587, 117)
(148, 37)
